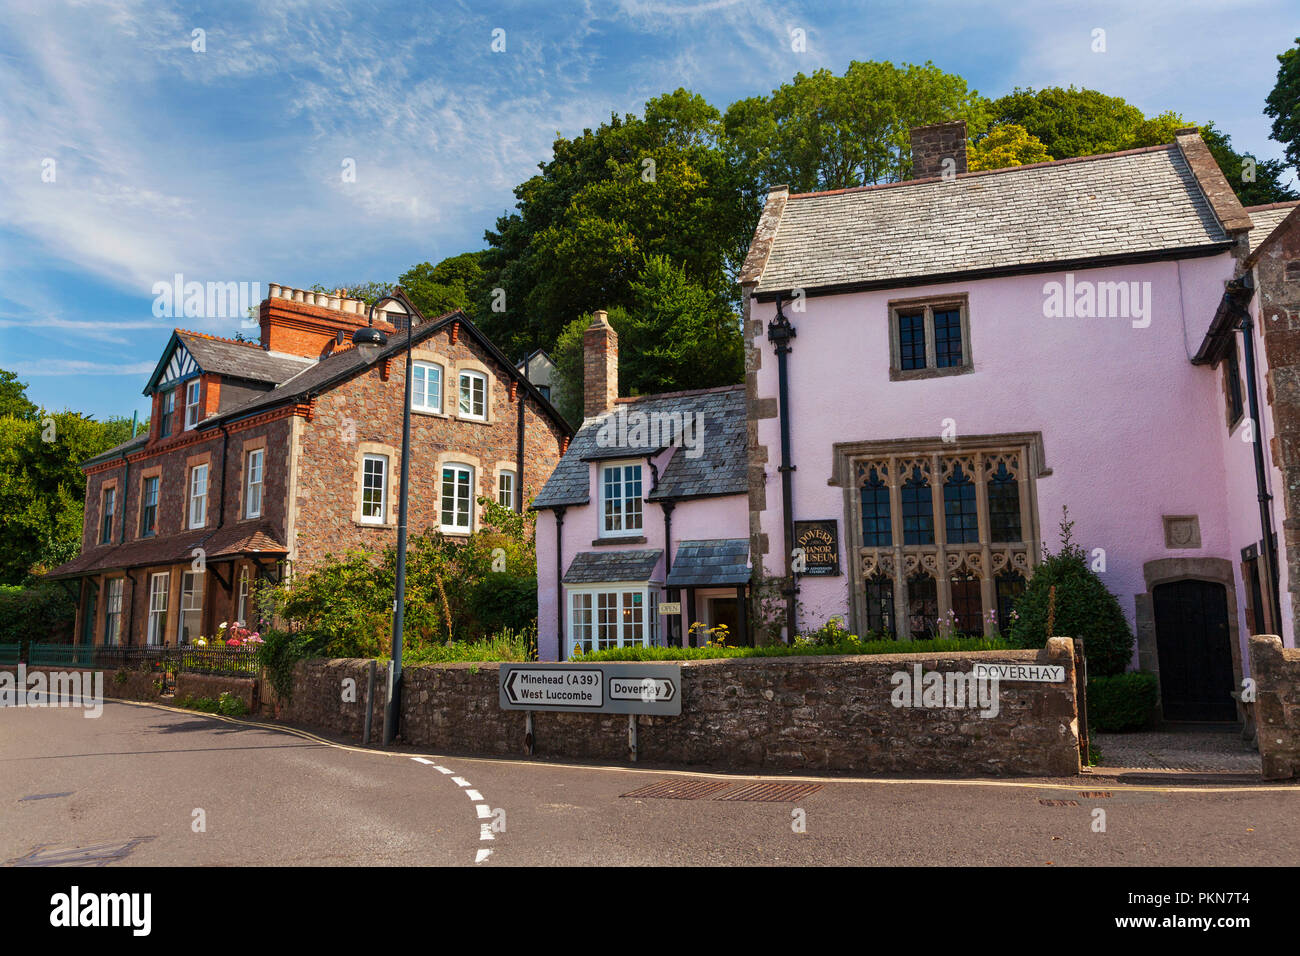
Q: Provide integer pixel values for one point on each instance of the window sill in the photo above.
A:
(375, 524)
(429, 413)
(618, 539)
(903, 375)
(456, 532)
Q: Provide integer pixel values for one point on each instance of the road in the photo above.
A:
(146, 786)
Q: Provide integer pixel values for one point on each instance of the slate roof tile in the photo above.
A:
(598, 567)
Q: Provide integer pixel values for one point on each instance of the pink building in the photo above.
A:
(934, 368)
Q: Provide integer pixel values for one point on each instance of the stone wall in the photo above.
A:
(319, 699)
(802, 713)
(1276, 671)
(214, 685)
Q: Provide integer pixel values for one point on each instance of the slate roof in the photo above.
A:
(1144, 201)
(597, 567)
(241, 360)
(169, 549)
(1266, 219)
(719, 468)
(129, 445)
(714, 563)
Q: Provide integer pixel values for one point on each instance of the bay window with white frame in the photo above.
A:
(603, 616)
(159, 585)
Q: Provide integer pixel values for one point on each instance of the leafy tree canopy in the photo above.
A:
(1006, 145)
(454, 283)
(1283, 104)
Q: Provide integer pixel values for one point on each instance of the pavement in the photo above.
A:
(1192, 749)
(143, 785)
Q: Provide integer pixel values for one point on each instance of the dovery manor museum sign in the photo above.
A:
(817, 547)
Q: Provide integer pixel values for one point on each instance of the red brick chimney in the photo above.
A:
(307, 323)
(931, 145)
(599, 365)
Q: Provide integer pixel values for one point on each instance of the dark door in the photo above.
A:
(725, 611)
(1195, 656)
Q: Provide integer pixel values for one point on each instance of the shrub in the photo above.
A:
(1084, 608)
(506, 646)
(800, 648)
(1121, 702)
(44, 612)
(505, 602)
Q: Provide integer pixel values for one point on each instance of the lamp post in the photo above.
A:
(369, 341)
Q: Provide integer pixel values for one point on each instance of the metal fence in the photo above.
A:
(188, 658)
(10, 653)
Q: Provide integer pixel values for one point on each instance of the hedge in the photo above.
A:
(1121, 702)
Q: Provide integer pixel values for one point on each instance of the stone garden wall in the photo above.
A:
(1276, 671)
(775, 713)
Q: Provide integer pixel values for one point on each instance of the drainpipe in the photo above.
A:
(519, 454)
(559, 583)
(1238, 295)
(669, 631)
(779, 333)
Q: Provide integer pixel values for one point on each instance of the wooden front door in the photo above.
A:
(1192, 642)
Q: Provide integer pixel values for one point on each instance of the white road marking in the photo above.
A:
(428, 763)
(484, 810)
(474, 795)
(441, 769)
(482, 855)
(485, 831)
(460, 781)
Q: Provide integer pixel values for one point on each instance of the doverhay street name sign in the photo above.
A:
(617, 688)
(1048, 673)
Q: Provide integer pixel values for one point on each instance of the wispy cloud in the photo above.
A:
(78, 367)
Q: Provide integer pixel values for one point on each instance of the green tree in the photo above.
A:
(1071, 122)
(454, 283)
(1283, 104)
(638, 186)
(1265, 187)
(13, 397)
(1082, 607)
(832, 132)
(1006, 145)
(42, 487)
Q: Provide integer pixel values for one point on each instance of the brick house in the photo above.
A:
(266, 456)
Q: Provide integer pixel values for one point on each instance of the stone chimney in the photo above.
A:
(599, 366)
(931, 145)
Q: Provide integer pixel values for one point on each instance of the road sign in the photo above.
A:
(614, 688)
(1049, 673)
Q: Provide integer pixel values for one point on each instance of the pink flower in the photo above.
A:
(233, 642)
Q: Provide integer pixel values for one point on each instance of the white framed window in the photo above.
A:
(603, 616)
(426, 387)
(374, 489)
(457, 499)
(473, 395)
(241, 607)
(191, 616)
(149, 506)
(620, 499)
(158, 586)
(107, 514)
(506, 489)
(198, 496)
(113, 612)
(253, 483)
(192, 404)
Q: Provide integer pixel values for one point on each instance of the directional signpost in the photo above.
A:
(616, 688)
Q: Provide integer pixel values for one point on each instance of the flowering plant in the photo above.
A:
(232, 635)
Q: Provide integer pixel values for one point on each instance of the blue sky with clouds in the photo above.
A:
(225, 165)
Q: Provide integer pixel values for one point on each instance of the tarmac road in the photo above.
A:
(133, 786)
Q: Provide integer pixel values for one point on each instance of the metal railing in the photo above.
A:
(187, 658)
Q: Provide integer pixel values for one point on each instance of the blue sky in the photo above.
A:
(226, 165)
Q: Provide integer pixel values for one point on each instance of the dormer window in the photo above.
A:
(620, 499)
(192, 404)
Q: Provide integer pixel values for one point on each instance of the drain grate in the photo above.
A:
(771, 792)
(680, 789)
(1094, 794)
(1059, 803)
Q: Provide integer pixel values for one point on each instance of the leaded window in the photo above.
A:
(929, 338)
(960, 511)
(918, 507)
(877, 529)
(1004, 505)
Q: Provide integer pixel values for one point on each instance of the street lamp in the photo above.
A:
(369, 341)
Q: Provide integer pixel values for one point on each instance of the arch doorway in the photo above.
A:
(1194, 648)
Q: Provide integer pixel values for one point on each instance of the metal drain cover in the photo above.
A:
(771, 792)
(1059, 803)
(680, 789)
